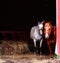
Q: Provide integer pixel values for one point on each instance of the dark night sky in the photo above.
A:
(22, 15)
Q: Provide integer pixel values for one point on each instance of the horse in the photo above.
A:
(50, 35)
(36, 34)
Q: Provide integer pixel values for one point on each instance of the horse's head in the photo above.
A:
(47, 29)
(40, 26)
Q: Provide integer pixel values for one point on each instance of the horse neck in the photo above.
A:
(53, 32)
(54, 28)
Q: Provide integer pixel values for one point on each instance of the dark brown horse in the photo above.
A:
(50, 35)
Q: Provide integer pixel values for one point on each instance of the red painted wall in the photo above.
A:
(57, 50)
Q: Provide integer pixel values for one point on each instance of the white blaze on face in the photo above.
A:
(47, 30)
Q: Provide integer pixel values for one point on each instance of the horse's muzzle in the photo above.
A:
(46, 36)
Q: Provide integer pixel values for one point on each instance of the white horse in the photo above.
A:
(36, 34)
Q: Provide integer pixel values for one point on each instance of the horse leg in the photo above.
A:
(50, 50)
(41, 45)
(34, 46)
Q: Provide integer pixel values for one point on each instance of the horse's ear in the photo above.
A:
(50, 22)
(38, 22)
(43, 21)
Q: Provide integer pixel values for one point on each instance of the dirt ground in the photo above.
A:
(28, 59)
